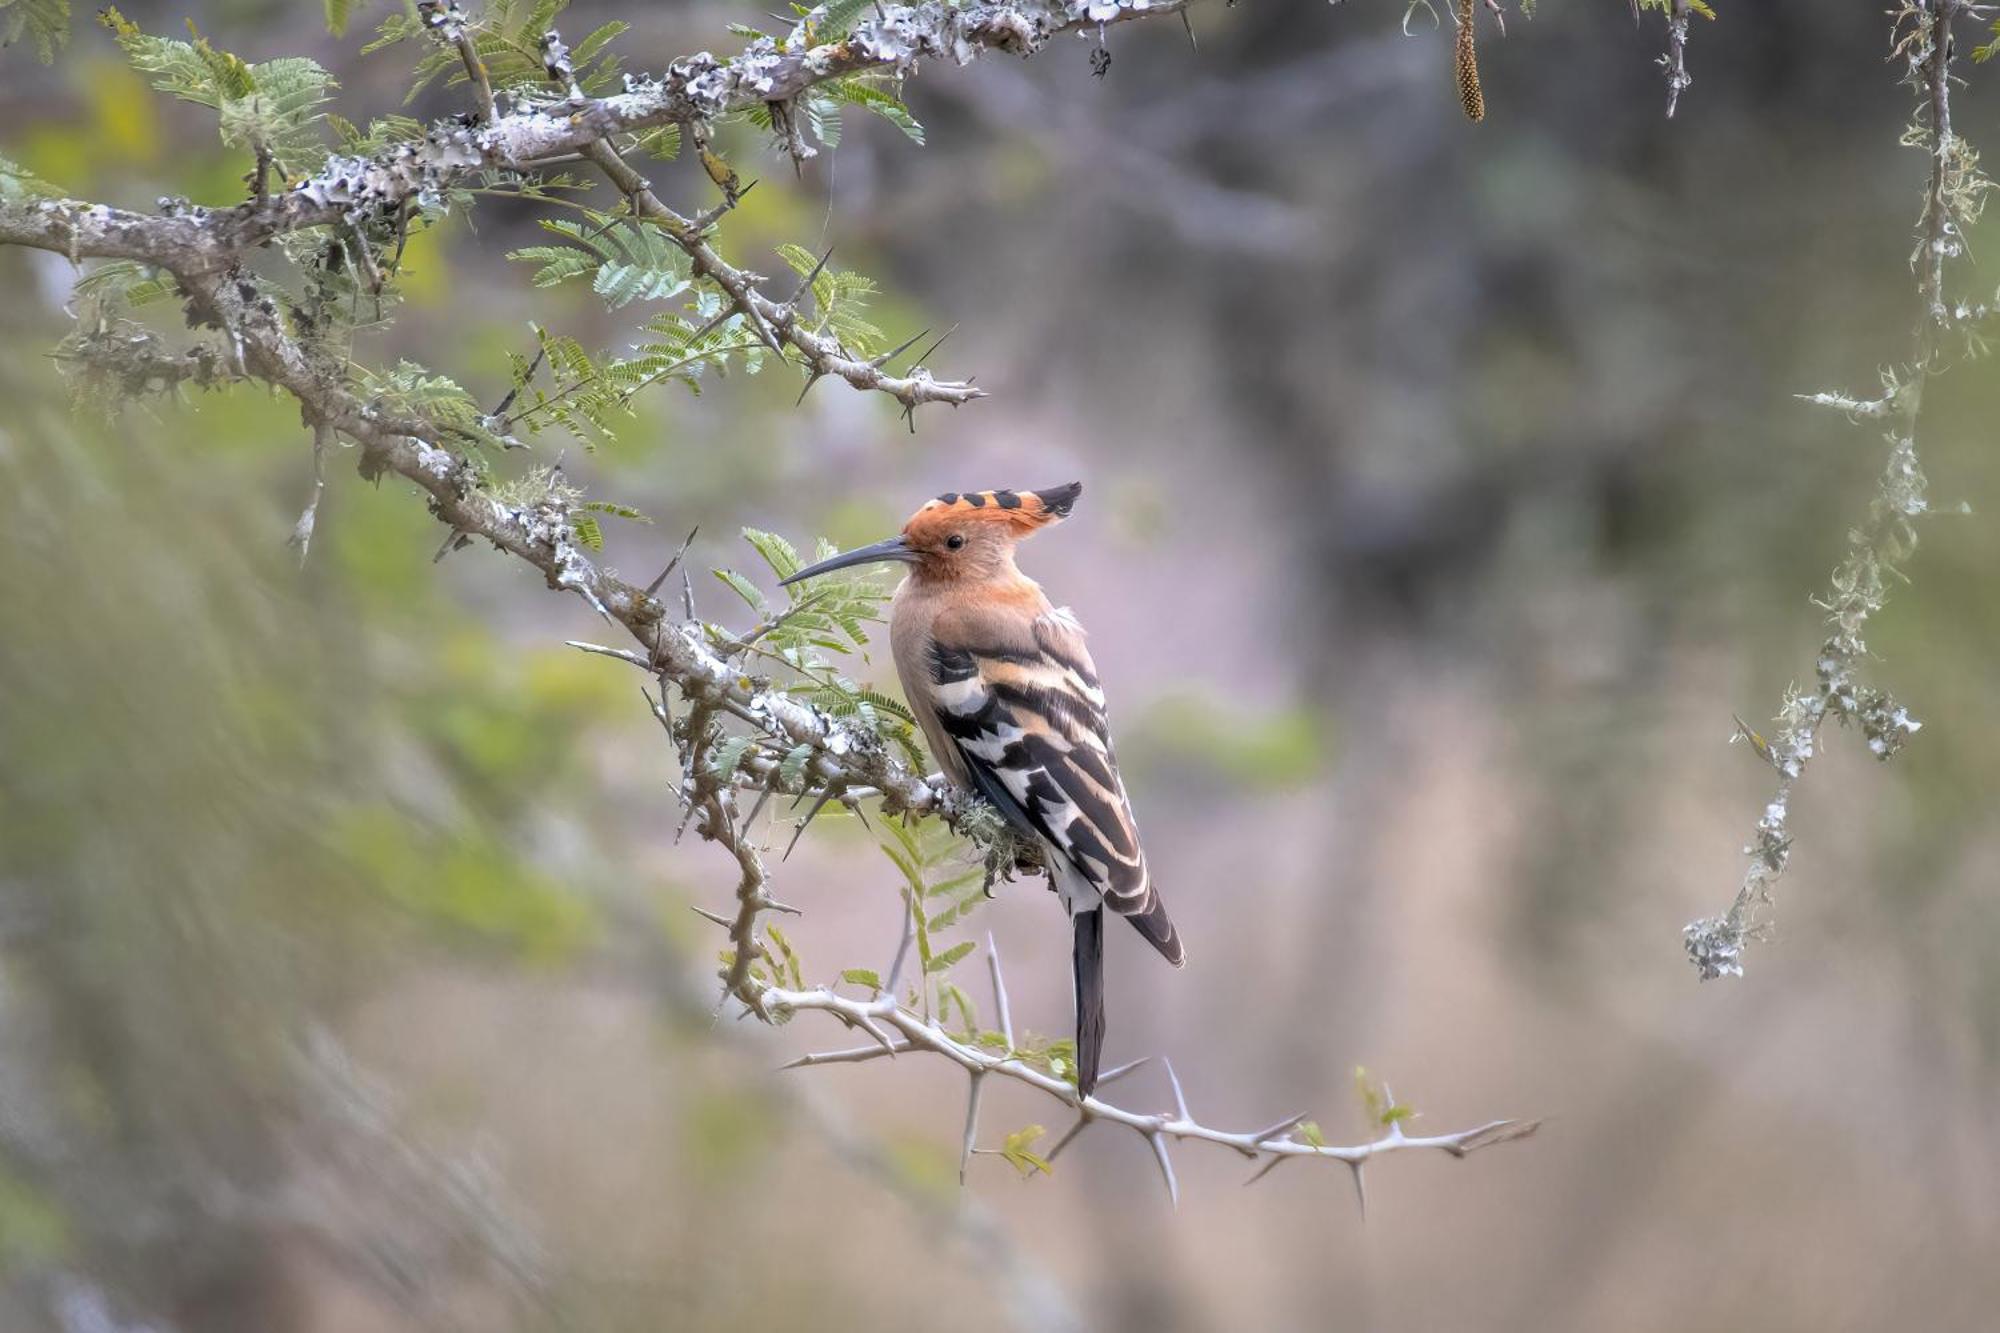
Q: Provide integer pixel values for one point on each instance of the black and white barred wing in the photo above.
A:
(1023, 708)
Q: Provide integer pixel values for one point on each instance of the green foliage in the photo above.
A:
(273, 106)
(44, 22)
(383, 132)
(1381, 1109)
(784, 958)
(826, 620)
(589, 396)
(871, 92)
(662, 142)
(626, 261)
(411, 390)
(950, 958)
(125, 283)
(584, 520)
(507, 39)
(338, 13)
(1018, 1149)
(931, 861)
(839, 296)
(837, 19)
(821, 106)
(17, 183)
(1666, 7)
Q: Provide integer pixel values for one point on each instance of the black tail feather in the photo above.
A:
(1159, 931)
(1089, 963)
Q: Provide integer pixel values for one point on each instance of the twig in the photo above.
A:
(1674, 62)
(1876, 547)
(1268, 1146)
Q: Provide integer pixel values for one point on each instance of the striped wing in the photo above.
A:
(1024, 713)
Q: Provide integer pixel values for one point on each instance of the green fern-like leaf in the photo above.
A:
(17, 183)
(507, 40)
(839, 297)
(874, 94)
(126, 283)
(338, 14)
(411, 390)
(751, 594)
(778, 553)
(625, 263)
(274, 105)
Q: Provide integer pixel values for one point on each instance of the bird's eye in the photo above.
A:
(954, 541)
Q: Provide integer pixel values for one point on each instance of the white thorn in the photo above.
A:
(1159, 1142)
(978, 1079)
(1000, 991)
(1180, 1098)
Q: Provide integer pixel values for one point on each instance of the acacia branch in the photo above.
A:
(1270, 1146)
(845, 762)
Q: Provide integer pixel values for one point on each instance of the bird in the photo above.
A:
(1009, 700)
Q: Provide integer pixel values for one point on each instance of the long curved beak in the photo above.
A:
(893, 549)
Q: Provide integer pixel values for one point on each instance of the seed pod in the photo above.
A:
(1465, 59)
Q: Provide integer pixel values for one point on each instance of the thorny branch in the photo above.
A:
(1951, 201)
(1270, 1146)
(204, 249)
(895, 1028)
(1674, 62)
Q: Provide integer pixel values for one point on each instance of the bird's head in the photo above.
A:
(961, 536)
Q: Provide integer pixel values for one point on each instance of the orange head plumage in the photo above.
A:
(962, 535)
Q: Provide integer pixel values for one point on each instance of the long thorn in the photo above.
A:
(1122, 1070)
(757, 808)
(805, 283)
(903, 947)
(1266, 1169)
(817, 806)
(898, 350)
(1159, 1142)
(971, 1121)
(874, 1029)
(851, 1055)
(1074, 1130)
(1266, 1135)
(674, 563)
(1000, 991)
(1180, 1098)
(926, 354)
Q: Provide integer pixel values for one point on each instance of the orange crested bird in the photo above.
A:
(1010, 702)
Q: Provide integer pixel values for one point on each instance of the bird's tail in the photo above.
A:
(1158, 928)
(1089, 960)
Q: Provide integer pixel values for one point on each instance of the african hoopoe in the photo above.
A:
(1010, 703)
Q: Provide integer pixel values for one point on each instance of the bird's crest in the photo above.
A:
(1024, 511)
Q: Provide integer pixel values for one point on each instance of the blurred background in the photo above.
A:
(1445, 494)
